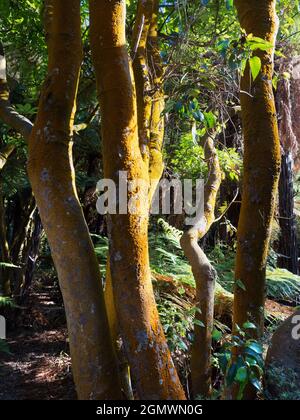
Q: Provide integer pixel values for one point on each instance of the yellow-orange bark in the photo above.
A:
(157, 127)
(261, 167)
(141, 73)
(152, 369)
(51, 173)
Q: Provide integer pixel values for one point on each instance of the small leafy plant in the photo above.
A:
(241, 361)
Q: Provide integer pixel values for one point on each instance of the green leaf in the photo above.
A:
(241, 374)
(240, 284)
(216, 335)
(253, 345)
(181, 344)
(275, 82)
(199, 323)
(255, 66)
(255, 382)
(223, 360)
(210, 119)
(229, 4)
(198, 115)
(243, 66)
(249, 326)
(256, 43)
(231, 374)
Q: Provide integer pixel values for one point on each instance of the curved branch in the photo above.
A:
(5, 153)
(204, 275)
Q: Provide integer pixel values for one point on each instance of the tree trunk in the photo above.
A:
(152, 368)
(157, 122)
(141, 73)
(51, 173)
(204, 275)
(5, 286)
(288, 246)
(4, 252)
(261, 168)
(30, 255)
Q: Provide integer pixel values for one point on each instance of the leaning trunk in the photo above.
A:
(152, 368)
(51, 173)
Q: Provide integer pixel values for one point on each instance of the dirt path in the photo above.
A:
(39, 364)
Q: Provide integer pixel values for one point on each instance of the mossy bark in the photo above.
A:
(152, 368)
(157, 122)
(141, 73)
(261, 167)
(51, 173)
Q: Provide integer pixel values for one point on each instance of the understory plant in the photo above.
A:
(241, 360)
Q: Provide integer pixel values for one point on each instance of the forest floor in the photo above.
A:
(39, 366)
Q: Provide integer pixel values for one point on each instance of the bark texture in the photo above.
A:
(261, 167)
(204, 275)
(287, 245)
(141, 73)
(51, 173)
(148, 75)
(157, 123)
(152, 368)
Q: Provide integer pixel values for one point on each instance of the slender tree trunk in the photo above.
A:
(157, 122)
(51, 173)
(148, 75)
(204, 275)
(4, 251)
(141, 73)
(261, 168)
(19, 256)
(32, 255)
(152, 368)
(20, 214)
(288, 245)
(5, 283)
